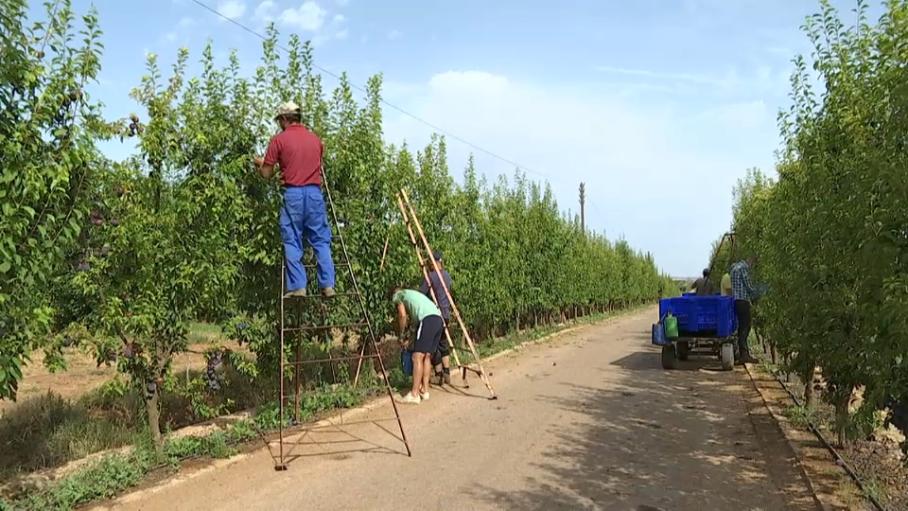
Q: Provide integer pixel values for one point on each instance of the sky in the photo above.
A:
(659, 106)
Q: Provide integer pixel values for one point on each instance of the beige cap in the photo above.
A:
(288, 108)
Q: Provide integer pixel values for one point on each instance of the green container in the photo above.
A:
(670, 323)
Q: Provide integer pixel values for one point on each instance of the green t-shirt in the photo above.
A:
(417, 304)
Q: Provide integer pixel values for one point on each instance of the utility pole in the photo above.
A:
(583, 207)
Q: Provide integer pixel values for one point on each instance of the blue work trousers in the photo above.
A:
(303, 216)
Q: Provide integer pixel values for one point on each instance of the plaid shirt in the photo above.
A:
(741, 287)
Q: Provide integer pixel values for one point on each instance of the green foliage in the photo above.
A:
(102, 479)
(48, 129)
(213, 445)
(832, 230)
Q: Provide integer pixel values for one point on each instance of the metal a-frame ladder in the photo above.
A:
(323, 331)
(423, 254)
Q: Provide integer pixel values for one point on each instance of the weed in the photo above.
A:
(800, 416)
(49, 430)
(102, 479)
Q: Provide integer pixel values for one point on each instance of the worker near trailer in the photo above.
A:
(441, 359)
(743, 292)
(415, 311)
(298, 152)
(702, 286)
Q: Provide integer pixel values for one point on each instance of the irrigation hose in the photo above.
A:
(835, 454)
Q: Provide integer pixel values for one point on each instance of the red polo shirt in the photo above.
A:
(298, 152)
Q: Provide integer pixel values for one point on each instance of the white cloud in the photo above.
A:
(170, 37)
(339, 18)
(342, 3)
(342, 34)
(756, 79)
(395, 34)
(264, 12)
(185, 22)
(308, 16)
(659, 75)
(659, 174)
(232, 9)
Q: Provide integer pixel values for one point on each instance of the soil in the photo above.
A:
(83, 374)
(879, 463)
(590, 421)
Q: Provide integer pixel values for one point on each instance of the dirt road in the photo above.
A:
(587, 421)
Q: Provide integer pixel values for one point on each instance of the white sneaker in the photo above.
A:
(424, 396)
(408, 399)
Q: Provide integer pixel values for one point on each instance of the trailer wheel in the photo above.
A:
(727, 356)
(669, 361)
(683, 350)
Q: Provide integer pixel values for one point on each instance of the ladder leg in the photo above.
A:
(365, 314)
(281, 465)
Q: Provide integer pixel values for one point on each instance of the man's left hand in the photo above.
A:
(259, 161)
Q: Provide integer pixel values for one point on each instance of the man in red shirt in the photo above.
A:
(298, 153)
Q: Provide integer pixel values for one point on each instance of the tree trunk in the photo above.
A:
(154, 417)
(810, 399)
(841, 417)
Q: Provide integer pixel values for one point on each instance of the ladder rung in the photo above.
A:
(325, 327)
(336, 264)
(323, 360)
(338, 295)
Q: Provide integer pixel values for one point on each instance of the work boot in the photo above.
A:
(437, 379)
(747, 359)
(447, 376)
(328, 292)
(296, 293)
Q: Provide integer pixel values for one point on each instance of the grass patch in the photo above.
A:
(204, 333)
(874, 490)
(49, 431)
(101, 479)
(800, 416)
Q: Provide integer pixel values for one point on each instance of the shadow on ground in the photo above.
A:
(650, 439)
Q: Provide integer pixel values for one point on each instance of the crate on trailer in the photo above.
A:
(702, 315)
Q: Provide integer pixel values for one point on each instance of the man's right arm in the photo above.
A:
(266, 164)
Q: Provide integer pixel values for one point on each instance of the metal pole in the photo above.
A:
(281, 465)
(454, 309)
(362, 304)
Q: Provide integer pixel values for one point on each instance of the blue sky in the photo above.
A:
(658, 105)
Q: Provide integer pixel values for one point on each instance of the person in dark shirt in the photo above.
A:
(744, 292)
(441, 358)
(298, 153)
(702, 286)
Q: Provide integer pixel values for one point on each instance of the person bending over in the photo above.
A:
(416, 311)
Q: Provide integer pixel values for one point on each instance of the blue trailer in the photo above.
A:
(705, 323)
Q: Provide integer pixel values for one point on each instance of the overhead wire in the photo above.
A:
(417, 118)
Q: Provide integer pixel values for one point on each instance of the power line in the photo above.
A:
(385, 102)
